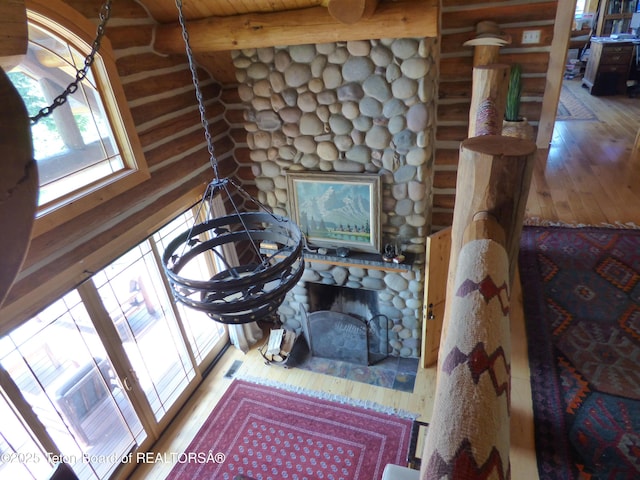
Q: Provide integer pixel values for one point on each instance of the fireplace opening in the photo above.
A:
(345, 324)
(360, 303)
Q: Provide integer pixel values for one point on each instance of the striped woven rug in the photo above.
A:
(571, 107)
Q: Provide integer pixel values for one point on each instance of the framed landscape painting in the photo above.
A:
(336, 210)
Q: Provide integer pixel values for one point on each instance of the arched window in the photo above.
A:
(87, 150)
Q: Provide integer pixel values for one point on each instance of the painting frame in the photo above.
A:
(335, 210)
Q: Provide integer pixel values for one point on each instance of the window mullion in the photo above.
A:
(23, 408)
(63, 117)
(109, 335)
(157, 256)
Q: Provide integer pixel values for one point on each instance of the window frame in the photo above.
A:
(69, 24)
(94, 307)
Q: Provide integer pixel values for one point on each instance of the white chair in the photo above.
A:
(396, 472)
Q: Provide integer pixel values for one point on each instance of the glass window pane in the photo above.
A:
(61, 368)
(74, 146)
(22, 456)
(202, 331)
(134, 295)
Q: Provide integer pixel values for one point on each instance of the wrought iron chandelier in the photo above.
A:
(239, 292)
(242, 291)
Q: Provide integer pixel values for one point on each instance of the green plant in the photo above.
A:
(512, 112)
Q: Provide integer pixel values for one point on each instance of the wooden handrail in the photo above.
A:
(475, 365)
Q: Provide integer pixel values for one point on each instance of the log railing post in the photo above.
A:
(486, 45)
(485, 55)
(494, 175)
(488, 99)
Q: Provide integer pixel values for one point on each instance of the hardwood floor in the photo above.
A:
(586, 176)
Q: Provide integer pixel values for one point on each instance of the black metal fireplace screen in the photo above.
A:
(340, 336)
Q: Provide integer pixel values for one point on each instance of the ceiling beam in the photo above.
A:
(407, 18)
(350, 11)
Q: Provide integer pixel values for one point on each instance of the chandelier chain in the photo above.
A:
(104, 15)
(196, 85)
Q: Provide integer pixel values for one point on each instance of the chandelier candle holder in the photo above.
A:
(239, 292)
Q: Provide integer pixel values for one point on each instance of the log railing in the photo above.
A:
(472, 434)
(475, 365)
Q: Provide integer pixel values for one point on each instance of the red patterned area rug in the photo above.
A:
(269, 433)
(581, 289)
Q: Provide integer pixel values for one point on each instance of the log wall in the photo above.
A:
(160, 94)
(458, 21)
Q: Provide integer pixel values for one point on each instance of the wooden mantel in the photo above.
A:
(406, 18)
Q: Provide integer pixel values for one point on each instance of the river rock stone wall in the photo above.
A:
(352, 107)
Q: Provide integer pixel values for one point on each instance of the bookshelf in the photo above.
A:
(615, 17)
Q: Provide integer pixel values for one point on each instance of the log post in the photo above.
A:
(13, 33)
(488, 99)
(18, 183)
(494, 176)
(485, 55)
(486, 45)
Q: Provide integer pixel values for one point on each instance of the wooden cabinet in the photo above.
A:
(608, 67)
(615, 17)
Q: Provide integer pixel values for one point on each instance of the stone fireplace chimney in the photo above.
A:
(352, 107)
